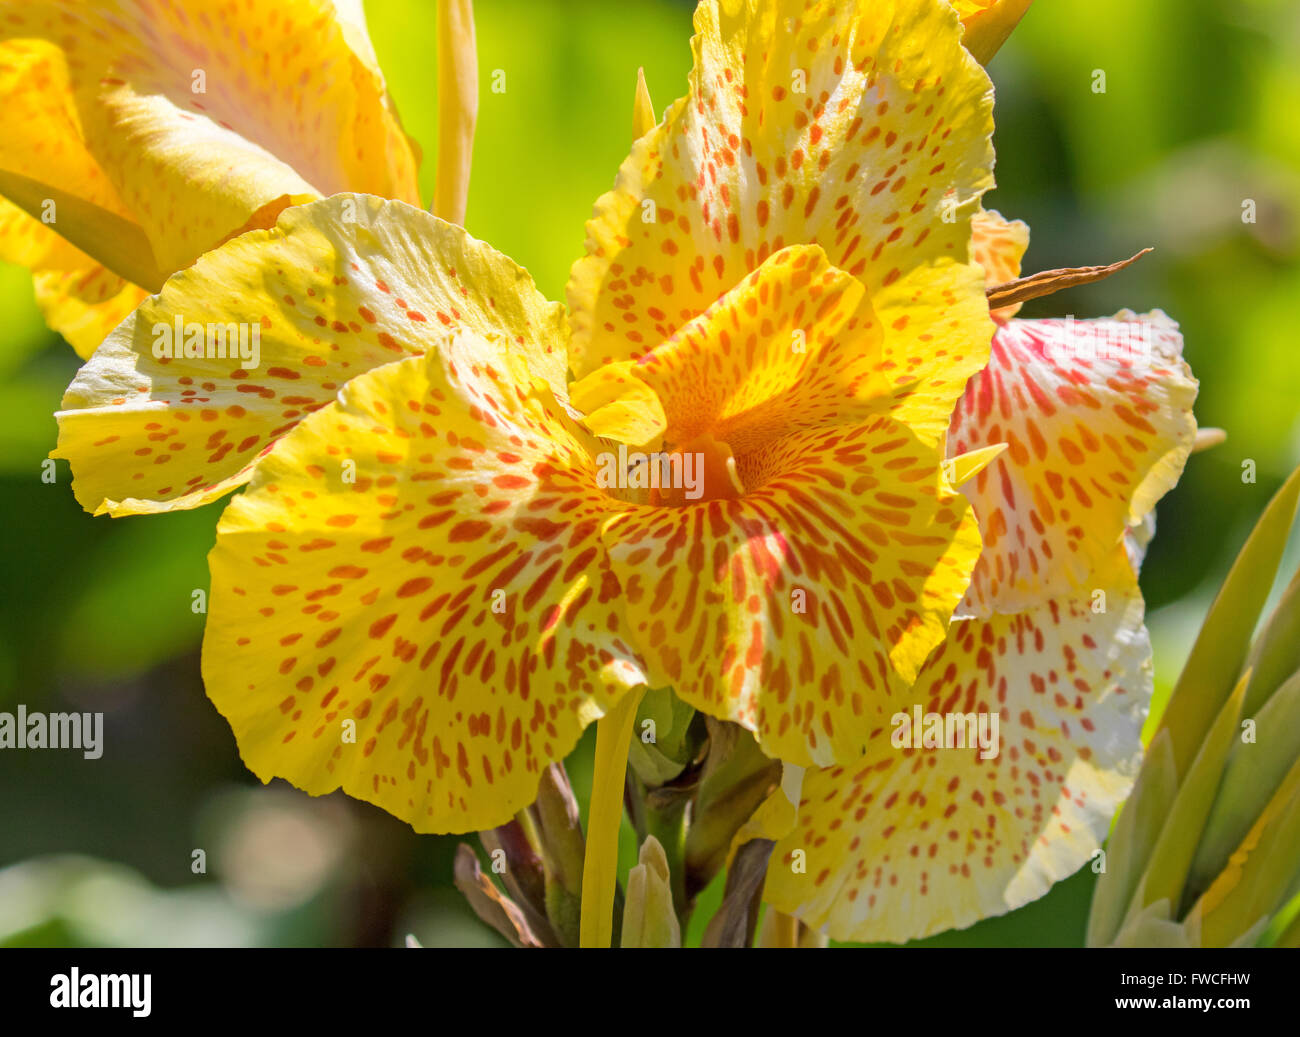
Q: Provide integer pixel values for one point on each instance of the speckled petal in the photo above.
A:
(911, 841)
(451, 600)
(336, 288)
(998, 245)
(791, 347)
(1098, 419)
(854, 127)
(804, 608)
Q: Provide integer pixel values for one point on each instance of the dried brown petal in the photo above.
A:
(1051, 281)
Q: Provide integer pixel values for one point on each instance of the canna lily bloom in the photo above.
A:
(428, 555)
(137, 135)
(913, 839)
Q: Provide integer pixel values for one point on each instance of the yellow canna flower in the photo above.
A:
(452, 553)
(1049, 642)
(135, 136)
(797, 130)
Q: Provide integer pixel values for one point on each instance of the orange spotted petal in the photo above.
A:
(191, 122)
(911, 841)
(336, 288)
(1098, 419)
(791, 347)
(419, 562)
(864, 128)
(803, 608)
(998, 245)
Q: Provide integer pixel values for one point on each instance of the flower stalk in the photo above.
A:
(604, 814)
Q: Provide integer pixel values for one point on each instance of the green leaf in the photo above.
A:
(669, 750)
(1276, 654)
(1134, 835)
(1171, 859)
(1218, 657)
(1260, 872)
(1253, 772)
(1290, 919)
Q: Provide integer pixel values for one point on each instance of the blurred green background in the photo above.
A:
(1199, 115)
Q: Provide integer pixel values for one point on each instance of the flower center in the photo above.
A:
(702, 469)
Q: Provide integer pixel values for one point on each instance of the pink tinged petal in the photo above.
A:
(1098, 418)
(912, 841)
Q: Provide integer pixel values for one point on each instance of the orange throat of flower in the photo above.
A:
(707, 472)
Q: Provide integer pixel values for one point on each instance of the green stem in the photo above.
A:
(604, 815)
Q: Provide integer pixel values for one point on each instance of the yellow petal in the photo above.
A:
(188, 124)
(998, 245)
(1098, 419)
(80, 299)
(643, 109)
(86, 303)
(786, 350)
(46, 168)
(965, 467)
(451, 601)
(801, 609)
(336, 288)
(616, 404)
(988, 23)
(912, 841)
(850, 126)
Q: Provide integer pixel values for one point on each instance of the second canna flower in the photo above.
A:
(121, 164)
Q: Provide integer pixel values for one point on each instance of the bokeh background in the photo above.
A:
(1200, 114)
